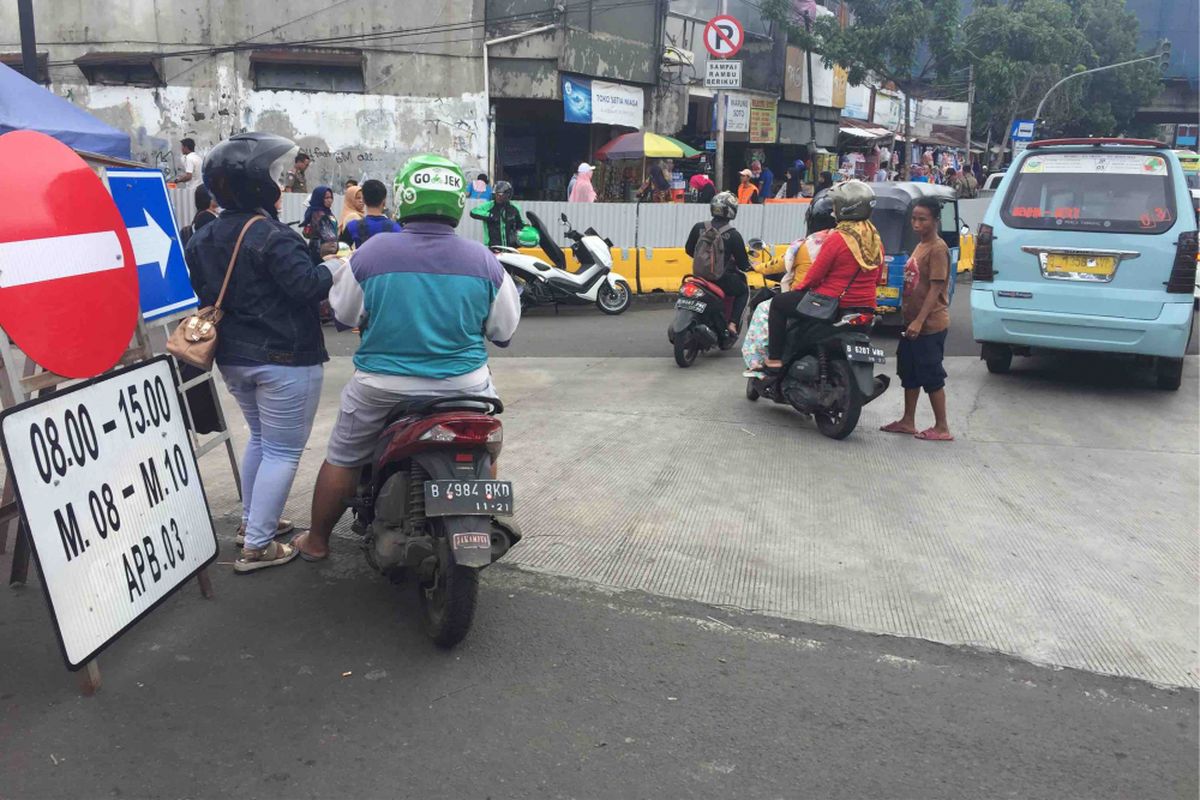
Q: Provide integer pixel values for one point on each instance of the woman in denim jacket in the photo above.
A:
(270, 348)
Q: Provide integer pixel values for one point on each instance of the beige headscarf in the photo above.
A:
(350, 202)
(863, 240)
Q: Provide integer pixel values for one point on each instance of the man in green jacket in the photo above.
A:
(501, 217)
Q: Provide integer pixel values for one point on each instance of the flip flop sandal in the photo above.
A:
(273, 555)
(307, 556)
(894, 427)
(930, 435)
(284, 527)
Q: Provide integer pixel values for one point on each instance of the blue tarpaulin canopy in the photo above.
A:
(24, 105)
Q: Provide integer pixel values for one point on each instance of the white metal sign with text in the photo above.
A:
(111, 494)
(723, 74)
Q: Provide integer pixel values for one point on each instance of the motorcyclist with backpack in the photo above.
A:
(501, 217)
(719, 254)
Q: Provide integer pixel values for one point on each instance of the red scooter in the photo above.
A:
(429, 507)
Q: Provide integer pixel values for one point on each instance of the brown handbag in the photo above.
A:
(194, 341)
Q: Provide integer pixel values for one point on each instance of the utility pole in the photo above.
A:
(812, 101)
(28, 39)
(719, 167)
(970, 107)
(908, 148)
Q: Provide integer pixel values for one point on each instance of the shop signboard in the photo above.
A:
(763, 120)
(737, 113)
(587, 102)
(858, 102)
(942, 112)
(889, 110)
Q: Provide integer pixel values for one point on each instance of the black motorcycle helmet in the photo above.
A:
(502, 189)
(819, 216)
(243, 172)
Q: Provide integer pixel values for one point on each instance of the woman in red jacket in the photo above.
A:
(849, 266)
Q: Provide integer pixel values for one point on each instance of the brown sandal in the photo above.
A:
(273, 555)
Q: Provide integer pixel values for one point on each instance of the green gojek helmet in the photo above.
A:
(430, 186)
(528, 237)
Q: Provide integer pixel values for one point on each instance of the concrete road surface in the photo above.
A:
(711, 600)
(314, 681)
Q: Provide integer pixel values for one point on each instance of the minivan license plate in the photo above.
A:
(865, 353)
(452, 497)
(1062, 265)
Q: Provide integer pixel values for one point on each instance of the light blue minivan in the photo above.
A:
(1089, 244)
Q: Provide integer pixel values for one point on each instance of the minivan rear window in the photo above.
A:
(1095, 191)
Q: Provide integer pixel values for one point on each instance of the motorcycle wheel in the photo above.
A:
(448, 603)
(751, 390)
(614, 301)
(685, 349)
(841, 421)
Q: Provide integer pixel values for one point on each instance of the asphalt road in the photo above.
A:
(582, 331)
(314, 681)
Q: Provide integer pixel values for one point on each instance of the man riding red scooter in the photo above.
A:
(713, 297)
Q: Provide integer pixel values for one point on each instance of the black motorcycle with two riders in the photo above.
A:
(713, 297)
(828, 360)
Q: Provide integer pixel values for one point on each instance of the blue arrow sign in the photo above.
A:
(164, 286)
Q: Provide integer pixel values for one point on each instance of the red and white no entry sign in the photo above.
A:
(68, 276)
(723, 36)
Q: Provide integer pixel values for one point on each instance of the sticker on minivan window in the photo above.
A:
(1093, 163)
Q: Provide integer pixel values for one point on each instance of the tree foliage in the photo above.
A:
(1020, 48)
(907, 42)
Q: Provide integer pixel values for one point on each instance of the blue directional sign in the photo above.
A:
(164, 286)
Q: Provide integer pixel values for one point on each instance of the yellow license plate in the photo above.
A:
(887, 292)
(1079, 264)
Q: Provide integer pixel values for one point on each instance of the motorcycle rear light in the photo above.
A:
(984, 269)
(1183, 271)
(481, 430)
(690, 290)
(464, 458)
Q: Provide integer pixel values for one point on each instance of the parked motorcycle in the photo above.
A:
(830, 381)
(550, 284)
(702, 313)
(429, 506)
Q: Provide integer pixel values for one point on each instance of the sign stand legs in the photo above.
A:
(89, 678)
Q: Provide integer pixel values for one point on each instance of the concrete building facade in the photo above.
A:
(354, 87)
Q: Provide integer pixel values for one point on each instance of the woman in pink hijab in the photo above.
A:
(583, 192)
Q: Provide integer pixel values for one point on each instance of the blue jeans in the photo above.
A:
(279, 404)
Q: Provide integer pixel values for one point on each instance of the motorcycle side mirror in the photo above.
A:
(755, 245)
(563, 217)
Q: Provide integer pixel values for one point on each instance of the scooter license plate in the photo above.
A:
(865, 353)
(688, 304)
(449, 498)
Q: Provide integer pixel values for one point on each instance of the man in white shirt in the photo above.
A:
(191, 161)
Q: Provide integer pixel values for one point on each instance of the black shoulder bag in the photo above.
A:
(823, 307)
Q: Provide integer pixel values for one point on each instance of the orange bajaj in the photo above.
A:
(430, 510)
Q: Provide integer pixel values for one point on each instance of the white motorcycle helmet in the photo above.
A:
(852, 200)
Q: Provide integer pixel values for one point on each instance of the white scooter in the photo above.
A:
(544, 284)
